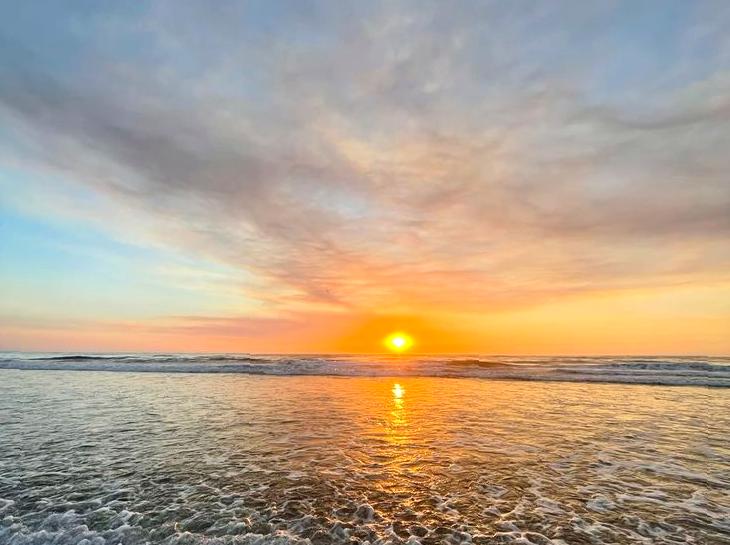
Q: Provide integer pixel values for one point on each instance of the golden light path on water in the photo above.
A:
(398, 415)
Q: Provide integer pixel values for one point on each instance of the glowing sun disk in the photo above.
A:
(398, 342)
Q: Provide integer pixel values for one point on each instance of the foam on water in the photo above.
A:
(174, 458)
(694, 371)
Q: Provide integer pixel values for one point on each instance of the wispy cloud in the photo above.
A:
(398, 156)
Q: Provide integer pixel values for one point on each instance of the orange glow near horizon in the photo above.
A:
(626, 322)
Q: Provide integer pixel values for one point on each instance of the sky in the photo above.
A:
(300, 176)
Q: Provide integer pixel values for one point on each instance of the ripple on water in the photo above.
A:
(190, 459)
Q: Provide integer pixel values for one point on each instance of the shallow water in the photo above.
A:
(103, 457)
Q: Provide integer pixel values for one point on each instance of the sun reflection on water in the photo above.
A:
(398, 421)
(398, 391)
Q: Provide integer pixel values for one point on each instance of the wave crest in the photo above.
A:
(706, 371)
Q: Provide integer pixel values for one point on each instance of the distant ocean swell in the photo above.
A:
(689, 371)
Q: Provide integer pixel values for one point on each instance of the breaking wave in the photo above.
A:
(687, 371)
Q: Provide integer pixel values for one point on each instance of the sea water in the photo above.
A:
(235, 449)
(697, 371)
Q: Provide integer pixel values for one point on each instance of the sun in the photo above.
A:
(398, 342)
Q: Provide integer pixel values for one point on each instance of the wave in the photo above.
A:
(696, 371)
(664, 366)
(160, 358)
(480, 363)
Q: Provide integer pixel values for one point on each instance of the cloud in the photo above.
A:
(396, 156)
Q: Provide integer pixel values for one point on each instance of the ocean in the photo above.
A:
(229, 449)
(686, 371)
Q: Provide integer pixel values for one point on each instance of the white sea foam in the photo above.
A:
(214, 459)
(690, 371)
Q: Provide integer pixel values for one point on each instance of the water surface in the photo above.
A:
(109, 457)
(674, 370)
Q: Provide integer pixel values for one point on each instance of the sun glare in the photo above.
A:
(398, 391)
(398, 342)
